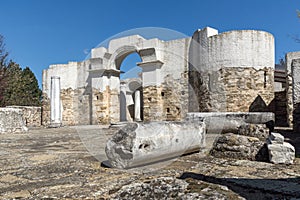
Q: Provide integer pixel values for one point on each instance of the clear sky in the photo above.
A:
(43, 32)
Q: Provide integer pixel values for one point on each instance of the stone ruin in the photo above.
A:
(227, 82)
(208, 72)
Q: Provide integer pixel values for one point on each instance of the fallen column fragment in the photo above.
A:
(138, 144)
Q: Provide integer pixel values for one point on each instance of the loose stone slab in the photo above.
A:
(229, 122)
(138, 144)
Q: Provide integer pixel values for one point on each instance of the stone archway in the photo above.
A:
(108, 61)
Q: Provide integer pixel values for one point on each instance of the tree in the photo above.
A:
(17, 87)
(3, 75)
(22, 87)
(3, 52)
(30, 86)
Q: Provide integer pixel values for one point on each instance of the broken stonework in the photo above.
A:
(138, 144)
(230, 122)
(254, 130)
(280, 152)
(11, 120)
(239, 147)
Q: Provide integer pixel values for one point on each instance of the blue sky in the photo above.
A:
(43, 32)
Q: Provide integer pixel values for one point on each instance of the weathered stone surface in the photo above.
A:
(32, 116)
(239, 147)
(11, 120)
(289, 57)
(55, 164)
(280, 108)
(275, 138)
(225, 122)
(254, 130)
(280, 152)
(234, 89)
(139, 144)
(161, 188)
(296, 94)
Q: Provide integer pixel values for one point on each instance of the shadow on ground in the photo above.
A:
(250, 188)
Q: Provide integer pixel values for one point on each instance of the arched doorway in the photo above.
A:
(130, 98)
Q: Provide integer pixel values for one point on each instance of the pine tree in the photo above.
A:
(22, 87)
(31, 92)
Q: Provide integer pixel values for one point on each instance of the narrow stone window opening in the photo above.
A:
(168, 110)
(265, 79)
(162, 94)
(97, 97)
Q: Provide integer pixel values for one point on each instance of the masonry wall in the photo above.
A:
(289, 57)
(32, 116)
(296, 94)
(234, 90)
(165, 90)
(280, 109)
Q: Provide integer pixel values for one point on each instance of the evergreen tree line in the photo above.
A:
(18, 87)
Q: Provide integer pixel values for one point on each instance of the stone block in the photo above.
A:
(281, 153)
(138, 144)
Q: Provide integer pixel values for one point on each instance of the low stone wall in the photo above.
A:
(32, 116)
(11, 120)
(45, 110)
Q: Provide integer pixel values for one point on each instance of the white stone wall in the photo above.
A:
(244, 48)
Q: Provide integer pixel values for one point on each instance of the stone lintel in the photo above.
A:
(157, 63)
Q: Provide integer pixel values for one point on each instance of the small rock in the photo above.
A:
(281, 153)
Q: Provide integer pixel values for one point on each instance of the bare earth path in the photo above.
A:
(57, 164)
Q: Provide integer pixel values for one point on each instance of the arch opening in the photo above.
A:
(131, 94)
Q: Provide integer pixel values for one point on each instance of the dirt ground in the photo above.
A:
(67, 163)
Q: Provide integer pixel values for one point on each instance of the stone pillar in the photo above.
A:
(296, 94)
(137, 106)
(55, 102)
(123, 103)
